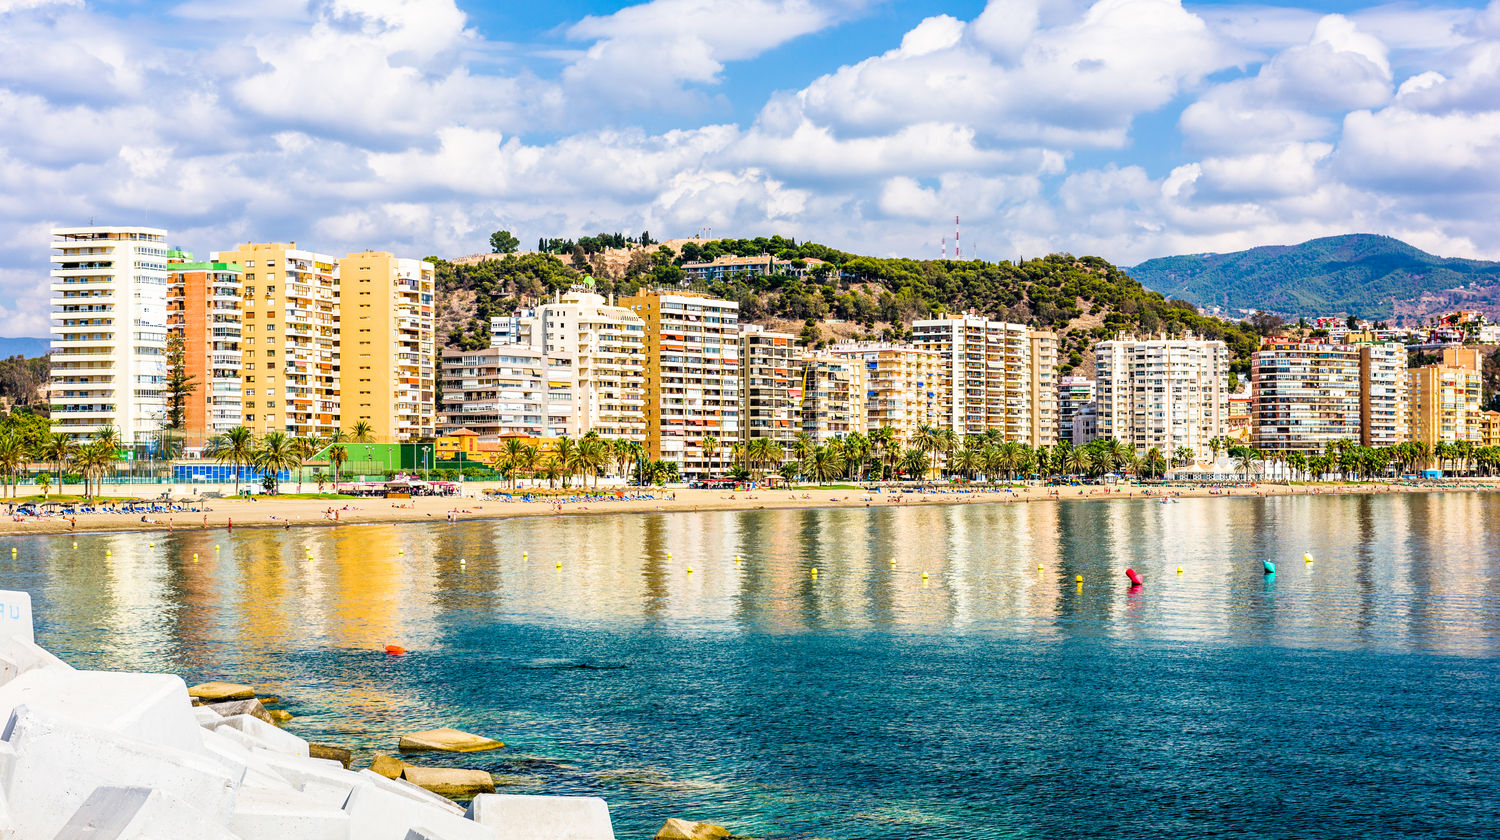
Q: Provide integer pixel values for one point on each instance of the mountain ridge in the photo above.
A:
(1366, 275)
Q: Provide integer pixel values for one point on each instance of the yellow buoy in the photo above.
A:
(1179, 570)
(689, 569)
(1078, 578)
(400, 551)
(559, 564)
(108, 553)
(1039, 567)
(151, 545)
(216, 548)
(75, 545)
(462, 562)
(195, 555)
(814, 572)
(524, 555)
(924, 576)
(736, 559)
(1307, 558)
(12, 551)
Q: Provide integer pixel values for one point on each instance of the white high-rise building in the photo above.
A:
(1162, 393)
(605, 345)
(998, 376)
(109, 331)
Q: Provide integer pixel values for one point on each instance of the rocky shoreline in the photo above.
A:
(98, 755)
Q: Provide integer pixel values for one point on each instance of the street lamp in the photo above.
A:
(426, 463)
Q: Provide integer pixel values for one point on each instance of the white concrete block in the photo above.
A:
(206, 718)
(264, 734)
(136, 813)
(325, 781)
(58, 764)
(286, 815)
(543, 817)
(376, 814)
(15, 615)
(152, 707)
(17, 656)
(404, 788)
(7, 824)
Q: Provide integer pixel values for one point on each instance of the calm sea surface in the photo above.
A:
(1356, 696)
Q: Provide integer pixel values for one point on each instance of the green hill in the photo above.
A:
(1364, 275)
(1084, 299)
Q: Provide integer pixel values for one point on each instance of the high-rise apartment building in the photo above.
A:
(905, 386)
(1445, 398)
(692, 368)
(1385, 402)
(290, 347)
(833, 396)
(109, 331)
(998, 376)
(387, 361)
(203, 308)
(1073, 393)
(510, 389)
(606, 346)
(770, 387)
(1162, 393)
(1306, 395)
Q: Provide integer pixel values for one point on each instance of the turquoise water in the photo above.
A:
(1358, 695)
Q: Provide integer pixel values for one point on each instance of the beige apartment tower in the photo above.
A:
(997, 376)
(692, 374)
(905, 386)
(387, 375)
(1445, 399)
(290, 343)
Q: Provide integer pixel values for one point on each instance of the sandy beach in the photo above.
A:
(273, 512)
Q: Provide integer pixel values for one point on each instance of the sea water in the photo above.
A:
(692, 665)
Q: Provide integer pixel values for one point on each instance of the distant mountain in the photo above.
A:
(28, 347)
(1364, 275)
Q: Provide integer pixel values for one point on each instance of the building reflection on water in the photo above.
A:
(1396, 572)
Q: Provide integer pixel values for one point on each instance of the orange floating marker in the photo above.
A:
(395, 650)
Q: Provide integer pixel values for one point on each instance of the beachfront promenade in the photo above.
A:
(478, 502)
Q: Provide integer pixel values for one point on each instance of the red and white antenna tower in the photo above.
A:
(945, 247)
(958, 251)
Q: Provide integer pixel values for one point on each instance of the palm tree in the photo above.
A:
(856, 448)
(1154, 464)
(362, 432)
(927, 440)
(565, 450)
(550, 469)
(91, 461)
(964, 462)
(788, 472)
(1077, 461)
(1297, 461)
(823, 464)
(109, 438)
(13, 457)
(59, 449)
(914, 462)
(237, 446)
(338, 455)
(711, 445)
(43, 482)
(593, 457)
(276, 453)
(508, 461)
(803, 446)
(305, 446)
(1246, 458)
(883, 442)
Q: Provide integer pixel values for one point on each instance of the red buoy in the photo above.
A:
(395, 650)
(1134, 578)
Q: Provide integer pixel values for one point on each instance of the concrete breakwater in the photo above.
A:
(96, 755)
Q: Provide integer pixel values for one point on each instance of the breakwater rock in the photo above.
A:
(117, 756)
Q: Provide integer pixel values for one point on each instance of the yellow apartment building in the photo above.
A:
(1445, 398)
(388, 369)
(290, 345)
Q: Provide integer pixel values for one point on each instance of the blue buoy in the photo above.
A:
(1270, 567)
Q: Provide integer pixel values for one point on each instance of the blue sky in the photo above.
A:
(1123, 128)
